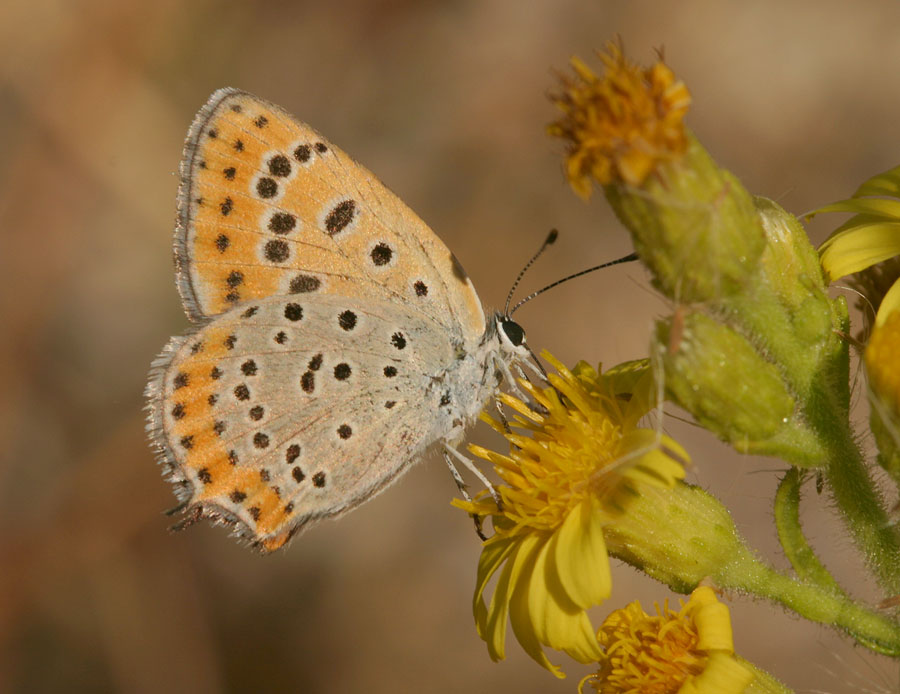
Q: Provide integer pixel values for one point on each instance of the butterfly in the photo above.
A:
(336, 338)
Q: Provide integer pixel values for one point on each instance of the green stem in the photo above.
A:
(822, 383)
(813, 602)
(790, 534)
(862, 507)
(850, 483)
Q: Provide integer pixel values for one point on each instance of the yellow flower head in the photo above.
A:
(572, 468)
(619, 126)
(688, 652)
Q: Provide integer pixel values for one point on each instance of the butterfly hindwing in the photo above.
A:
(267, 206)
(283, 411)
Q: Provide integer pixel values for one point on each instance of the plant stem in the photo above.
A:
(855, 494)
(813, 602)
(790, 533)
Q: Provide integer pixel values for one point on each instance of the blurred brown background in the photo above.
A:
(446, 103)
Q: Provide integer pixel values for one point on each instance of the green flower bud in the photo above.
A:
(719, 377)
(694, 225)
(790, 266)
(678, 535)
(785, 309)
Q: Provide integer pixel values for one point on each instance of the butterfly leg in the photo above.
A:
(533, 404)
(536, 366)
(461, 485)
(520, 372)
(514, 387)
(502, 415)
(510, 380)
(495, 495)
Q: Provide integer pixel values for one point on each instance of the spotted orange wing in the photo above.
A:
(267, 206)
(328, 313)
(291, 409)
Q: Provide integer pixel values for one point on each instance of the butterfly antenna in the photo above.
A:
(625, 259)
(551, 237)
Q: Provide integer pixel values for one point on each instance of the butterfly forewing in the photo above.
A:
(269, 207)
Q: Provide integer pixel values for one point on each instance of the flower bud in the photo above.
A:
(721, 378)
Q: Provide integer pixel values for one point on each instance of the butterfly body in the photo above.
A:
(337, 337)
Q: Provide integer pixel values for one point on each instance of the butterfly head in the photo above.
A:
(511, 336)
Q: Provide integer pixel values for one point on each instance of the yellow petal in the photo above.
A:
(723, 674)
(555, 363)
(519, 615)
(714, 628)
(857, 220)
(520, 556)
(519, 406)
(492, 456)
(702, 595)
(879, 207)
(492, 556)
(634, 165)
(538, 596)
(495, 620)
(889, 304)
(859, 248)
(491, 422)
(885, 183)
(574, 395)
(675, 451)
(557, 621)
(579, 556)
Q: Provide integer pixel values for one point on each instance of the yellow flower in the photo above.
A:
(576, 460)
(688, 652)
(619, 126)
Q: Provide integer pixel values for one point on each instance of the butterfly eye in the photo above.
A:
(513, 332)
